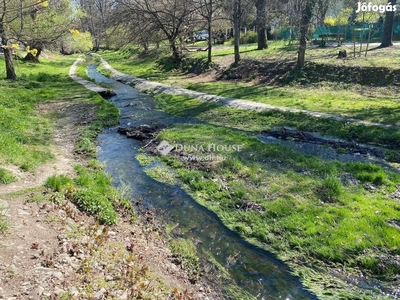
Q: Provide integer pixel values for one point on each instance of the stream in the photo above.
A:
(250, 268)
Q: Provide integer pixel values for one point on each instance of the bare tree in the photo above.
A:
(167, 16)
(10, 70)
(237, 15)
(42, 26)
(207, 9)
(236, 11)
(321, 8)
(306, 15)
(96, 18)
(12, 15)
(9, 11)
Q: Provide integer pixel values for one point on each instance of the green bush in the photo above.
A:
(249, 38)
(6, 176)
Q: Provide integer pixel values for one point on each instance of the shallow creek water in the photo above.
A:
(250, 268)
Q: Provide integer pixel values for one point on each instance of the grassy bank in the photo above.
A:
(304, 208)
(256, 122)
(324, 214)
(26, 134)
(372, 103)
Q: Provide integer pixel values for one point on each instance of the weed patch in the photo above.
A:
(92, 192)
(6, 176)
(185, 254)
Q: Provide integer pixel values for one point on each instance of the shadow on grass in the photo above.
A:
(386, 115)
(240, 91)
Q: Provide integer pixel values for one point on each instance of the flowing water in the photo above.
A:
(252, 269)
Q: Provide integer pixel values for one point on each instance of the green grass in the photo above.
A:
(376, 104)
(185, 253)
(303, 204)
(128, 59)
(6, 176)
(258, 121)
(145, 160)
(24, 133)
(91, 191)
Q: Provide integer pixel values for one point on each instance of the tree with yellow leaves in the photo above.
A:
(34, 23)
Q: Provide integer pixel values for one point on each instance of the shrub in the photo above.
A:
(249, 38)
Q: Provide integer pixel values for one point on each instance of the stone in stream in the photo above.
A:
(142, 132)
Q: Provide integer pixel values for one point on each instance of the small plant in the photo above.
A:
(185, 253)
(95, 203)
(6, 176)
(330, 189)
(85, 146)
(144, 159)
(58, 183)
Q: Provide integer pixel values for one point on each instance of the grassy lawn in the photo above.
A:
(377, 105)
(25, 134)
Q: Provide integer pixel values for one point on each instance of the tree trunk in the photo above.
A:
(236, 29)
(209, 21)
(34, 58)
(31, 58)
(8, 59)
(175, 50)
(388, 28)
(261, 21)
(306, 15)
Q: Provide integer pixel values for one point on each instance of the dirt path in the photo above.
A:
(157, 88)
(52, 250)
